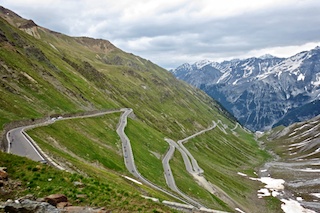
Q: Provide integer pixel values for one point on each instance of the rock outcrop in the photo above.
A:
(56, 203)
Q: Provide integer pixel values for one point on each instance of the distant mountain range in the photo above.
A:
(261, 92)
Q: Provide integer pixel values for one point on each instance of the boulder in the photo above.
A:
(29, 206)
(54, 199)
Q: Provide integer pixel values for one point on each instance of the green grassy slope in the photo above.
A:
(118, 195)
(51, 73)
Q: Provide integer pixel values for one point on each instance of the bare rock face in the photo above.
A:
(28, 24)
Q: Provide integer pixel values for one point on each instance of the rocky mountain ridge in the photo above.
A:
(260, 92)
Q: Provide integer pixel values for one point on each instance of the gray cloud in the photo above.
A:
(170, 34)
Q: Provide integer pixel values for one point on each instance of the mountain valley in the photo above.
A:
(46, 75)
(117, 132)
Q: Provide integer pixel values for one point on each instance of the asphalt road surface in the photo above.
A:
(20, 145)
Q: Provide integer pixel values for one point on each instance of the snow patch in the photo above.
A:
(292, 206)
(202, 63)
(239, 210)
(300, 77)
(235, 82)
(316, 83)
(131, 179)
(150, 198)
(241, 174)
(272, 187)
(309, 170)
(263, 193)
(316, 195)
(271, 183)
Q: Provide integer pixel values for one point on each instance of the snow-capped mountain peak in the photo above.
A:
(201, 63)
(260, 92)
(266, 56)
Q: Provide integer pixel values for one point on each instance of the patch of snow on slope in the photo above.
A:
(271, 183)
(317, 82)
(290, 65)
(248, 71)
(272, 187)
(235, 82)
(239, 210)
(292, 206)
(300, 77)
(316, 195)
(225, 76)
(202, 63)
(242, 174)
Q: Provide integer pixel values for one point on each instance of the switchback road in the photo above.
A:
(20, 143)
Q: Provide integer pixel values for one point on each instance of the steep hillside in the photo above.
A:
(59, 74)
(298, 149)
(46, 74)
(260, 92)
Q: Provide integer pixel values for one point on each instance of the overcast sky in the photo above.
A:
(172, 32)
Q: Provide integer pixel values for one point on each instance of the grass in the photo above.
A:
(92, 140)
(148, 147)
(222, 156)
(42, 180)
(186, 184)
(241, 154)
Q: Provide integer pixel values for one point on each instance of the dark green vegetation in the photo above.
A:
(49, 74)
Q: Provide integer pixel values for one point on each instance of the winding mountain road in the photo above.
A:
(192, 168)
(20, 143)
(168, 173)
(129, 159)
(195, 166)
